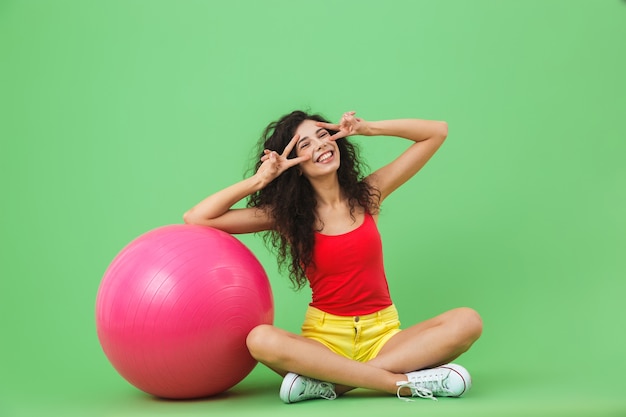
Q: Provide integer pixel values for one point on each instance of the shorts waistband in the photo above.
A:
(321, 317)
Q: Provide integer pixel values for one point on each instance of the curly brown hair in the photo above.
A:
(290, 200)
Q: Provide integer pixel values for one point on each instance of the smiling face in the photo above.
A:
(314, 141)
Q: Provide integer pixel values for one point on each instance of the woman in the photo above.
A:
(320, 215)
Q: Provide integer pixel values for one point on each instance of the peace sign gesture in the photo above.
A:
(274, 164)
(348, 125)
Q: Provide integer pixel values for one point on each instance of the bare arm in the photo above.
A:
(428, 136)
(216, 210)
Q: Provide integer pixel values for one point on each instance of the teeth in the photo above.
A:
(324, 156)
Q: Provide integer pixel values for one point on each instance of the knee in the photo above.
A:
(469, 325)
(261, 341)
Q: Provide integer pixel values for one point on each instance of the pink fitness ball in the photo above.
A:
(174, 309)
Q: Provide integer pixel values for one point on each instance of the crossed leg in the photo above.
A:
(428, 344)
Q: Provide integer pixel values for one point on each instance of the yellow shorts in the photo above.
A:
(355, 337)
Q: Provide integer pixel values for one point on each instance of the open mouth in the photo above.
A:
(324, 157)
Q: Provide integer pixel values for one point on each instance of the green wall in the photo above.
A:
(117, 116)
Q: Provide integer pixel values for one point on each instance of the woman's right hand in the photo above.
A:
(274, 164)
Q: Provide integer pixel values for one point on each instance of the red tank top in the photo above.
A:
(347, 276)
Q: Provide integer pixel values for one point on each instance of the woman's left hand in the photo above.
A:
(348, 125)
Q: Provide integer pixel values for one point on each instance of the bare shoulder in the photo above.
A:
(377, 184)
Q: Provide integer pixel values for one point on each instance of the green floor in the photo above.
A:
(551, 392)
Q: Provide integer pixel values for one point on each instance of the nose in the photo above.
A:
(320, 143)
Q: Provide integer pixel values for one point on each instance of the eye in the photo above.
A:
(304, 145)
(324, 133)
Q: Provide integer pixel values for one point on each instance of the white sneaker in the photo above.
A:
(299, 388)
(449, 380)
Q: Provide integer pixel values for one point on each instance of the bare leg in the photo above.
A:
(428, 344)
(431, 343)
(283, 351)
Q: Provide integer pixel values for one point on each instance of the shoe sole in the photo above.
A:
(462, 372)
(285, 387)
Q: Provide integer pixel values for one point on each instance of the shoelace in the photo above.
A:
(416, 390)
(319, 389)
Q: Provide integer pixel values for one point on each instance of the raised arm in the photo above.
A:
(428, 136)
(216, 210)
